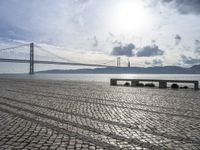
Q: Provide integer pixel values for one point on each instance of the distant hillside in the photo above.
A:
(196, 69)
(132, 70)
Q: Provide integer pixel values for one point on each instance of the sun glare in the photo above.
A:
(130, 16)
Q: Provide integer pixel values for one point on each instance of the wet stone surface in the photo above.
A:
(37, 114)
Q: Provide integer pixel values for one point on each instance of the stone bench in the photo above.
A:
(162, 83)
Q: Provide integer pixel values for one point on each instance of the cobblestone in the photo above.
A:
(87, 115)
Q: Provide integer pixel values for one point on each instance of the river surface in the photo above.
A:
(102, 77)
(105, 77)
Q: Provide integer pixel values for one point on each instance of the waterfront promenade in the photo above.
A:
(39, 114)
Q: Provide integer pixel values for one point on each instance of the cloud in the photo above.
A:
(149, 51)
(189, 60)
(185, 6)
(123, 50)
(197, 42)
(147, 63)
(95, 41)
(155, 62)
(41, 21)
(153, 41)
(116, 42)
(197, 46)
(83, 1)
(111, 34)
(178, 39)
(113, 39)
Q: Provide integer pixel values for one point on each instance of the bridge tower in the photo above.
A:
(118, 61)
(31, 58)
(129, 64)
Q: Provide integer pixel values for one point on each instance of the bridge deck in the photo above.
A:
(53, 62)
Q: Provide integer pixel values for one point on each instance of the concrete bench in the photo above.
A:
(162, 83)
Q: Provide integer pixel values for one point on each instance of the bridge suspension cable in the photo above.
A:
(14, 47)
(113, 60)
(47, 51)
(31, 48)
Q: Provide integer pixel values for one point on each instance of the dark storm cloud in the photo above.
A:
(185, 6)
(124, 50)
(149, 51)
(189, 60)
(178, 39)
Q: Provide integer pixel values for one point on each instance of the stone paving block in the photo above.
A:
(80, 115)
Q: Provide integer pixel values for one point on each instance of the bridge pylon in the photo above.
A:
(31, 58)
(118, 61)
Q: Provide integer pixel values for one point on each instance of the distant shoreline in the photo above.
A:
(130, 70)
(120, 73)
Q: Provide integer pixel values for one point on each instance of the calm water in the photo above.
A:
(102, 77)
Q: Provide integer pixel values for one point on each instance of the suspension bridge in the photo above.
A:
(32, 57)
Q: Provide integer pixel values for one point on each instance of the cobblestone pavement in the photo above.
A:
(37, 114)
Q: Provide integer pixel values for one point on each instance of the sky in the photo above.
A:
(147, 32)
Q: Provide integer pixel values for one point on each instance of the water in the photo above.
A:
(102, 77)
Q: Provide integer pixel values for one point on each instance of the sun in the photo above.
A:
(130, 16)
